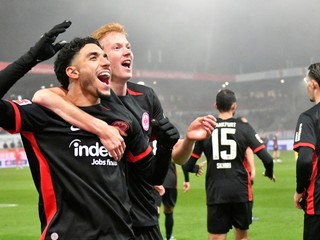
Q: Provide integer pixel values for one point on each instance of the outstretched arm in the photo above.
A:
(41, 51)
(55, 99)
(200, 129)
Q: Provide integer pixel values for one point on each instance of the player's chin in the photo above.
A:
(103, 93)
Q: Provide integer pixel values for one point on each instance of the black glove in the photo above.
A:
(42, 50)
(165, 132)
(45, 47)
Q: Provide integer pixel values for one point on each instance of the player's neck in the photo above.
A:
(119, 87)
(226, 115)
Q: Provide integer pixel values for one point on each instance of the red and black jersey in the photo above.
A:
(82, 190)
(143, 103)
(308, 176)
(227, 176)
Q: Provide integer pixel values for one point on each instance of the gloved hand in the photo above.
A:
(45, 47)
(165, 132)
(42, 50)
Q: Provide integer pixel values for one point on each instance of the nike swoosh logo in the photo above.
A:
(73, 128)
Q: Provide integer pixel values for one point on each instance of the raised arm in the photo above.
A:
(200, 129)
(41, 51)
(55, 99)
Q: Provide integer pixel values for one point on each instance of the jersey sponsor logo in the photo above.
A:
(145, 121)
(22, 102)
(99, 162)
(100, 155)
(122, 125)
(223, 165)
(73, 128)
(297, 136)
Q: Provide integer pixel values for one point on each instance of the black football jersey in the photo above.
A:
(83, 193)
(307, 135)
(227, 176)
(143, 103)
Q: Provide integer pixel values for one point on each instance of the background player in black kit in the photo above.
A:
(307, 144)
(82, 187)
(228, 182)
(145, 106)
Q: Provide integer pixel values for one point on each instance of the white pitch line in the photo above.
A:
(7, 205)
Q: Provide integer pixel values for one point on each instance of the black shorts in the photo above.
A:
(221, 217)
(311, 229)
(169, 198)
(147, 233)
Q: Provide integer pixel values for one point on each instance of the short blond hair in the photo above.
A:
(108, 28)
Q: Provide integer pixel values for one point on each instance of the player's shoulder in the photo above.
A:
(242, 119)
(138, 88)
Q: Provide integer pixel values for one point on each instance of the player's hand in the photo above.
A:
(160, 189)
(201, 170)
(201, 128)
(273, 178)
(113, 141)
(186, 186)
(166, 133)
(299, 200)
(45, 47)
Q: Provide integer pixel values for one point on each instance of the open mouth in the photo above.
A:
(104, 77)
(126, 63)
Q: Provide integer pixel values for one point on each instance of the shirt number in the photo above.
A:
(223, 141)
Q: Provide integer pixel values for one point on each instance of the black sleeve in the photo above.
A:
(185, 174)
(26, 117)
(303, 168)
(267, 162)
(14, 71)
(153, 168)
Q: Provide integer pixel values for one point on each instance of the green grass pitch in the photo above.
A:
(273, 205)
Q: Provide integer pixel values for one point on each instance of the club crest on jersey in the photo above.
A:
(22, 102)
(145, 121)
(122, 125)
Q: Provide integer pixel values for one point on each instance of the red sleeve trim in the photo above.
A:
(304, 144)
(132, 158)
(259, 148)
(17, 118)
(195, 155)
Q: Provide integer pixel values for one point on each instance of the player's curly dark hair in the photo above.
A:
(314, 72)
(224, 100)
(66, 55)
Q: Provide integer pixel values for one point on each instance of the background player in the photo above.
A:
(228, 182)
(306, 143)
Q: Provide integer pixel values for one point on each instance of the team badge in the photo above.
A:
(22, 101)
(145, 121)
(124, 126)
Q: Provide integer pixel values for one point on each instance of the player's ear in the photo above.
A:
(315, 84)
(215, 105)
(72, 72)
(234, 106)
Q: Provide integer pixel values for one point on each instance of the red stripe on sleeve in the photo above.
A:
(304, 144)
(17, 118)
(195, 155)
(132, 158)
(259, 148)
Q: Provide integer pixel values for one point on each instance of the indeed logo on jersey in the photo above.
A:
(100, 155)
